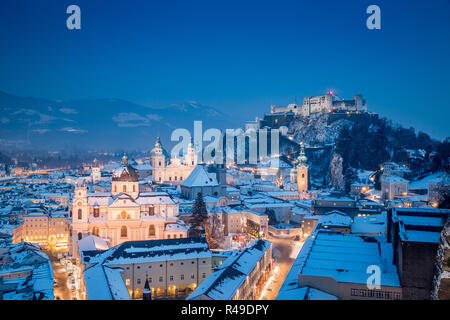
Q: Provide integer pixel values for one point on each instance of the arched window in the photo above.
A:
(80, 236)
(96, 212)
(80, 214)
(95, 231)
(151, 211)
(123, 232)
(124, 188)
(151, 230)
(134, 188)
(123, 215)
(115, 188)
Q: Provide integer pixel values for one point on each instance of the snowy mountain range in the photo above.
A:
(28, 122)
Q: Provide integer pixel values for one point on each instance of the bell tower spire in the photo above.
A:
(302, 171)
(147, 292)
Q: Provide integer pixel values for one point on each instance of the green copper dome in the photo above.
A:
(302, 159)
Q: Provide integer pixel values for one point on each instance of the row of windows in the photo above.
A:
(123, 214)
(175, 236)
(124, 188)
(171, 264)
(124, 232)
(378, 294)
(161, 279)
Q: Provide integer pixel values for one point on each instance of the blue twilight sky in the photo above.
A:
(236, 55)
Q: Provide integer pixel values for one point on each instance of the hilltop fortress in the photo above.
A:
(322, 104)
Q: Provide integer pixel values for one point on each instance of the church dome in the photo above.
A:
(159, 149)
(125, 172)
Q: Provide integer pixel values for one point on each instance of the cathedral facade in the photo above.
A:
(173, 170)
(124, 214)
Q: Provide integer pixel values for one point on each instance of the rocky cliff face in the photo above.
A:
(441, 282)
(319, 136)
(315, 130)
(319, 159)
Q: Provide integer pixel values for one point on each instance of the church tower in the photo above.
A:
(125, 180)
(96, 173)
(80, 214)
(158, 155)
(147, 292)
(159, 160)
(80, 206)
(302, 171)
(191, 158)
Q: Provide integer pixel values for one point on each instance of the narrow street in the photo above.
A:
(61, 289)
(284, 252)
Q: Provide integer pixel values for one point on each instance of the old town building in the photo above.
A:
(125, 214)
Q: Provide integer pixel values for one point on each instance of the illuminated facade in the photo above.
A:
(50, 231)
(173, 268)
(125, 214)
(323, 104)
(171, 170)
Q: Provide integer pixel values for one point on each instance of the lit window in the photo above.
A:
(123, 232)
(151, 230)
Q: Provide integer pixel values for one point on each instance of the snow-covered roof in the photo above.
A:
(91, 242)
(420, 225)
(150, 251)
(104, 283)
(305, 293)
(199, 177)
(393, 178)
(176, 227)
(38, 278)
(336, 219)
(422, 184)
(123, 200)
(274, 162)
(223, 284)
(334, 197)
(343, 257)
